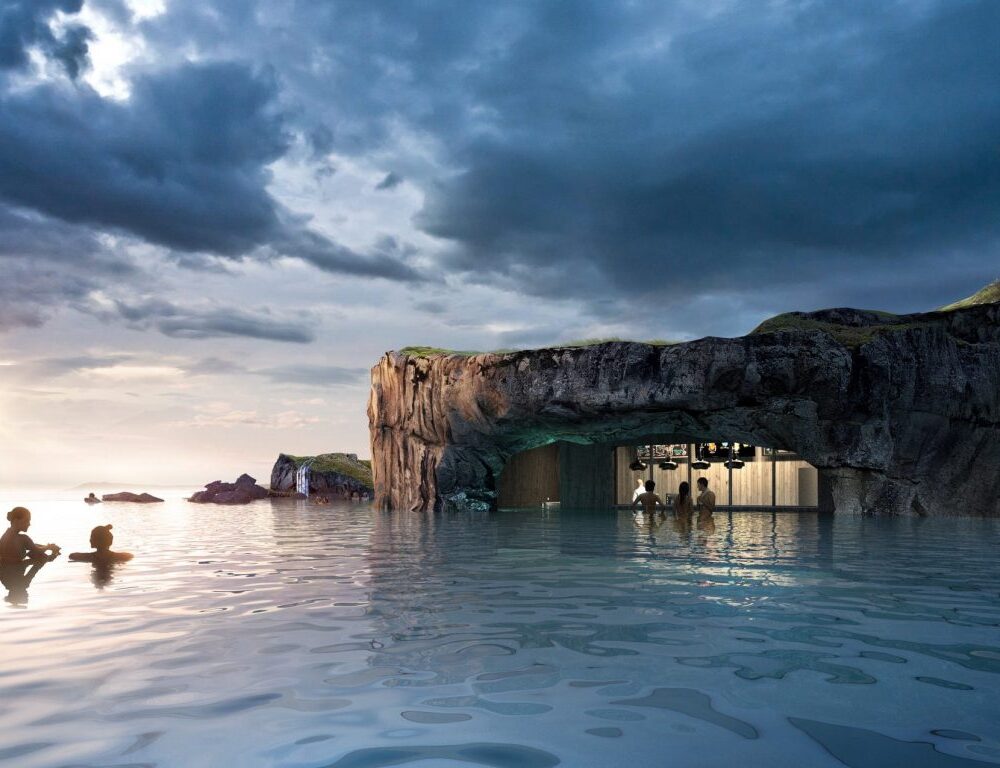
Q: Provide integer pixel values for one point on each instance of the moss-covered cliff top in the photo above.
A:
(988, 295)
(341, 463)
(419, 351)
(851, 327)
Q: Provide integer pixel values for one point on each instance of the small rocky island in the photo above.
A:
(134, 498)
(900, 414)
(334, 475)
(243, 491)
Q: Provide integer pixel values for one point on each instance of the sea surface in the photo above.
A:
(289, 634)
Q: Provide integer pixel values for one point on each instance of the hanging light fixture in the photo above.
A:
(734, 462)
(637, 466)
(699, 462)
(668, 464)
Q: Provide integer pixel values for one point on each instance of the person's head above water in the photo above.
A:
(649, 486)
(101, 537)
(20, 518)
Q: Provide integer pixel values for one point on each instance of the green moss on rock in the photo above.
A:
(988, 295)
(341, 463)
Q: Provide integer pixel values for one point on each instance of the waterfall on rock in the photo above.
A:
(302, 478)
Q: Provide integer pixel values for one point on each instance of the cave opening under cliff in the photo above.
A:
(606, 475)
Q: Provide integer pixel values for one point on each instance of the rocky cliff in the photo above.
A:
(900, 413)
(332, 474)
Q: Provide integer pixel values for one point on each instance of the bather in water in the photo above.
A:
(101, 540)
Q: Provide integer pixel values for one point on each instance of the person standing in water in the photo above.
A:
(648, 498)
(640, 489)
(706, 498)
(683, 504)
(16, 546)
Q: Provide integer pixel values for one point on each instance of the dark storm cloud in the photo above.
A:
(182, 163)
(315, 375)
(723, 158)
(615, 150)
(25, 24)
(771, 147)
(172, 319)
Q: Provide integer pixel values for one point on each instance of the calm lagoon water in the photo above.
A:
(286, 634)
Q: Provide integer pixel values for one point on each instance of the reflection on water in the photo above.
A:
(290, 635)
(17, 578)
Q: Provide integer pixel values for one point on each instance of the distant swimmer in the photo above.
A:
(92, 499)
(16, 546)
(706, 498)
(101, 540)
(648, 498)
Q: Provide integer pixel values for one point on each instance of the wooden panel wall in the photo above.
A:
(586, 476)
(751, 484)
(530, 478)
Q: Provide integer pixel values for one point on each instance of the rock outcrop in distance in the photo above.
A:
(899, 413)
(135, 498)
(243, 491)
(330, 474)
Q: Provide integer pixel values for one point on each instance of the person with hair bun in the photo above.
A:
(101, 540)
(17, 547)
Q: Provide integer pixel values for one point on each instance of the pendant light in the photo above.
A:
(699, 462)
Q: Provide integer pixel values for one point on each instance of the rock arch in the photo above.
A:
(900, 414)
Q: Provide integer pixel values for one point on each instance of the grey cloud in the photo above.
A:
(46, 264)
(431, 307)
(182, 163)
(391, 181)
(59, 366)
(25, 24)
(315, 375)
(72, 49)
(743, 157)
(386, 259)
(793, 145)
(180, 321)
(644, 150)
(214, 366)
(227, 322)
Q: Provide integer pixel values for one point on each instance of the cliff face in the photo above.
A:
(334, 474)
(901, 414)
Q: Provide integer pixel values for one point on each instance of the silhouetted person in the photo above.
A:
(101, 540)
(706, 498)
(683, 503)
(16, 546)
(648, 498)
(92, 498)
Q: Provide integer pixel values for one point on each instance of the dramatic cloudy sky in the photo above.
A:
(215, 215)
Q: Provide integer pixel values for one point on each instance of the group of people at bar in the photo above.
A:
(645, 496)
